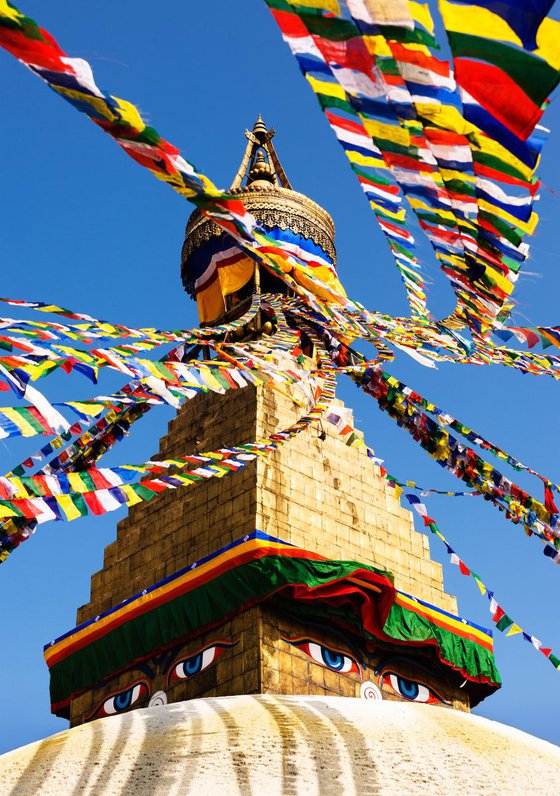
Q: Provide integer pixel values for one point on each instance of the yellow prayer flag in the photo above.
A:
(326, 87)
(400, 215)
(478, 21)
(377, 45)
(548, 36)
(76, 483)
(445, 116)
(130, 114)
(219, 472)
(418, 204)
(91, 409)
(208, 378)
(131, 497)
(365, 160)
(67, 505)
(489, 146)
(498, 279)
(322, 5)
(383, 12)
(176, 181)
(481, 586)
(387, 132)
(421, 13)
(40, 369)
(9, 12)
(17, 483)
(527, 226)
(6, 511)
(454, 174)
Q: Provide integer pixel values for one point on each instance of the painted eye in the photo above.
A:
(331, 658)
(410, 689)
(188, 667)
(123, 700)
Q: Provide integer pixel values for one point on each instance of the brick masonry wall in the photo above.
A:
(319, 494)
(325, 496)
(181, 526)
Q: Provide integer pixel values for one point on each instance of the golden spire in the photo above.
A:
(260, 129)
(260, 162)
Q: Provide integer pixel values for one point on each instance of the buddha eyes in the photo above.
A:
(410, 689)
(330, 658)
(335, 660)
(390, 681)
(188, 667)
(123, 700)
(181, 670)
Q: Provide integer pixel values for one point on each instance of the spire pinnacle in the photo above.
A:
(260, 162)
(260, 130)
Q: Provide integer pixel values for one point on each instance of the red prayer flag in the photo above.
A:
(93, 503)
(499, 95)
(549, 503)
(498, 614)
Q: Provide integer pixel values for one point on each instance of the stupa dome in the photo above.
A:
(285, 744)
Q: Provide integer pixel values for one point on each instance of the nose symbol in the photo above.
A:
(369, 690)
(159, 698)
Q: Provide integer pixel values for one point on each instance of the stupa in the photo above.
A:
(253, 629)
(301, 574)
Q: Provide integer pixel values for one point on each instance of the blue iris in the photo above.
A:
(123, 700)
(408, 688)
(192, 665)
(334, 660)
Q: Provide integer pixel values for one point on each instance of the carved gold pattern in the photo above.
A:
(272, 206)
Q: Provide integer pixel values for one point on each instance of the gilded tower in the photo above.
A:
(286, 215)
(300, 574)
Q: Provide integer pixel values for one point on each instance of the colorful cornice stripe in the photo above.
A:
(253, 569)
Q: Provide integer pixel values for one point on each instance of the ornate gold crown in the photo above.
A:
(268, 195)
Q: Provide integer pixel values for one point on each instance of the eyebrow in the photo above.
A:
(396, 659)
(144, 669)
(139, 667)
(165, 658)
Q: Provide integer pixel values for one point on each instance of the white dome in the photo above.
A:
(285, 745)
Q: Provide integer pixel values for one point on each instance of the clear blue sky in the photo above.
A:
(84, 226)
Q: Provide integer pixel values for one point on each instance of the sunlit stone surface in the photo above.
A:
(285, 745)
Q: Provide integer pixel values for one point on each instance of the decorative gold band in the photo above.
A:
(272, 206)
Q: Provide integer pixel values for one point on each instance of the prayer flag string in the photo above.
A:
(70, 496)
(541, 520)
(501, 619)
